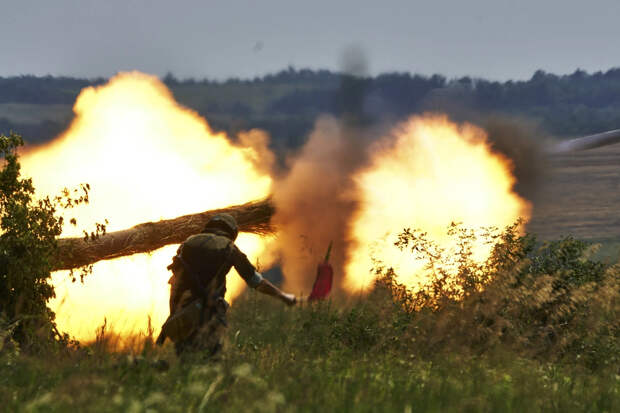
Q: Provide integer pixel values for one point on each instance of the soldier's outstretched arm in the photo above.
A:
(268, 288)
(255, 280)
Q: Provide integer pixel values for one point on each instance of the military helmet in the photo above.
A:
(223, 223)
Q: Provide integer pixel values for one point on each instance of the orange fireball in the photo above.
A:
(430, 173)
(146, 158)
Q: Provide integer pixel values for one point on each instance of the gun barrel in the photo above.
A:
(587, 142)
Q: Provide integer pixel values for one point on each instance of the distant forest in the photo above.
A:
(287, 103)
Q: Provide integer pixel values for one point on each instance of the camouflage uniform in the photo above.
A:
(209, 257)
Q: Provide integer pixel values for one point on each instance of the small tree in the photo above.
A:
(28, 231)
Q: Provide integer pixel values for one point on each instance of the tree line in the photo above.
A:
(287, 103)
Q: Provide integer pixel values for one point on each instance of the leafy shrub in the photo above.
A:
(546, 300)
(28, 231)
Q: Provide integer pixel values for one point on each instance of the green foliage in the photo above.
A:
(28, 231)
(365, 356)
(548, 301)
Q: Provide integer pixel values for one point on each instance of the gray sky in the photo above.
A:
(496, 39)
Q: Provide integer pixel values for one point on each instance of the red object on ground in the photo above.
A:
(324, 276)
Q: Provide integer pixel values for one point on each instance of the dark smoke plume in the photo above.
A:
(313, 200)
(524, 144)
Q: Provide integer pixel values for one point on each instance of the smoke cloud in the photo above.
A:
(313, 199)
(523, 143)
(316, 199)
(312, 204)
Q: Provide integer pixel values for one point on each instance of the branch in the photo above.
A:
(76, 252)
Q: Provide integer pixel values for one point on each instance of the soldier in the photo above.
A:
(198, 284)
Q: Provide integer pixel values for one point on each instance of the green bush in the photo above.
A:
(28, 231)
(548, 301)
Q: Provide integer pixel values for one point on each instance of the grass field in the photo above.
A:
(317, 358)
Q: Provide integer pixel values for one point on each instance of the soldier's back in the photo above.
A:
(205, 253)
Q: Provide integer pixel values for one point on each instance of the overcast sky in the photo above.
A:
(497, 39)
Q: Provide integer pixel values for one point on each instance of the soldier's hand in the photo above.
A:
(289, 299)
